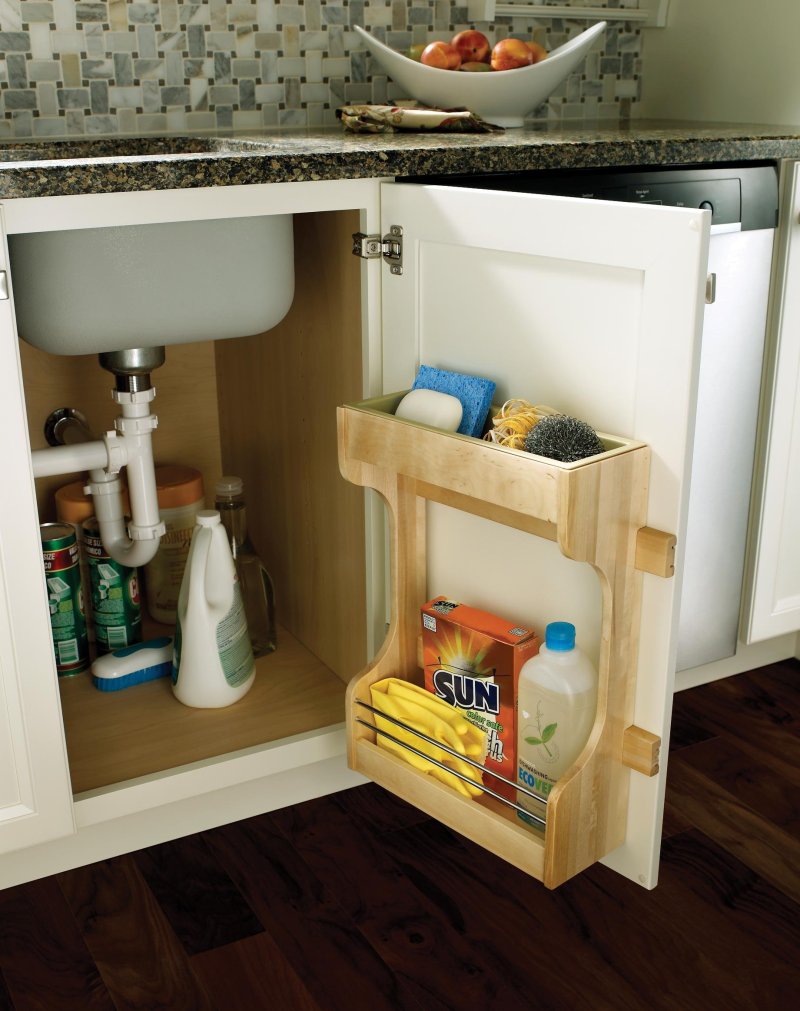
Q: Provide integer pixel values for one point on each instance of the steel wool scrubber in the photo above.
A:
(560, 437)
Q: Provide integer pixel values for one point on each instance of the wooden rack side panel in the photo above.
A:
(587, 809)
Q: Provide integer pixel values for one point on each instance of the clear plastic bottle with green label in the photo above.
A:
(213, 664)
(556, 708)
(254, 580)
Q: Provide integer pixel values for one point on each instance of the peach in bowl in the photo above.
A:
(502, 97)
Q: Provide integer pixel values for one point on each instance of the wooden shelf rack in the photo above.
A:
(595, 510)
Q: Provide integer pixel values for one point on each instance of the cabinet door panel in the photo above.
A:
(773, 607)
(35, 793)
(593, 308)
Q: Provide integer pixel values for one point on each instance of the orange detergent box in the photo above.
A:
(472, 660)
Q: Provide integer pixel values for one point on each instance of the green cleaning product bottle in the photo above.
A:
(213, 663)
(556, 708)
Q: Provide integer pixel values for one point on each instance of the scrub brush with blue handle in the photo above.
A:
(133, 665)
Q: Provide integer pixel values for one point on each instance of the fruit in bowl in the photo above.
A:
(441, 55)
(472, 46)
(511, 53)
(502, 97)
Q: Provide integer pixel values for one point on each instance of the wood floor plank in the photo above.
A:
(763, 727)
(599, 941)
(417, 931)
(763, 913)
(723, 761)
(687, 728)
(679, 946)
(130, 939)
(43, 958)
(305, 920)
(782, 682)
(251, 974)
(726, 819)
(526, 931)
(674, 820)
(5, 997)
(379, 811)
(196, 895)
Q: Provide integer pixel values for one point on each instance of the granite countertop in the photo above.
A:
(107, 165)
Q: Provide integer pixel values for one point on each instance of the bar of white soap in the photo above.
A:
(430, 407)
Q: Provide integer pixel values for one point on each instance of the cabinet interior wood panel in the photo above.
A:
(278, 394)
(116, 736)
(185, 403)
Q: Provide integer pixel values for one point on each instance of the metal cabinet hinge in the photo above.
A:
(711, 289)
(3, 286)
(390, 247)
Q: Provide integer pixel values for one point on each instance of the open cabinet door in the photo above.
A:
(35, 792)
(594, 308)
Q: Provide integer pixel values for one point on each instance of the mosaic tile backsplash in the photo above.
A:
(135, 68)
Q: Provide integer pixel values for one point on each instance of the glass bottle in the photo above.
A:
(255, 582)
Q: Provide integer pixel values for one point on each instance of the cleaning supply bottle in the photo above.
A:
(213, 663)
(254, 580)
(180, 498)
(556, 708)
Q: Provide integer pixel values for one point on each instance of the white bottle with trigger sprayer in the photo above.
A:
(213, 663)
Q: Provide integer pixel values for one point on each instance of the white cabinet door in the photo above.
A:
(594, 308)
(35, 792)
(773, 579)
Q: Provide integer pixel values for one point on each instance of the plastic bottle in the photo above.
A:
(556, 708)
(180, 498)
(213, 663)
(254, 580)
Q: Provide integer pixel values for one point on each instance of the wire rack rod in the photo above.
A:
(477, 765)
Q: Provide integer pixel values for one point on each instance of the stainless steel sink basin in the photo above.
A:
(92, 290)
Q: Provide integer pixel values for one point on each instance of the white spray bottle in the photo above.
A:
(213, 663)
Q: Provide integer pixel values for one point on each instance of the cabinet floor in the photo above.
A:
(359, 901)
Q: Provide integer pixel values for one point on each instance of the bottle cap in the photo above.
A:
(229, 486)
(560, 636)
(208, 518)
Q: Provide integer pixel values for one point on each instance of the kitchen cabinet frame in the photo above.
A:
(122, 816)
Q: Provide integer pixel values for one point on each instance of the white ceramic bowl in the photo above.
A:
(502, 97)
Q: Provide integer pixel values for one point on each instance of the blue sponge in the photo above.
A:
(474, 393)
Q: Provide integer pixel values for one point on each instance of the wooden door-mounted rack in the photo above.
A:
(595, 510)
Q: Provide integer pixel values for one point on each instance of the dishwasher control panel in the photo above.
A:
(745, 195)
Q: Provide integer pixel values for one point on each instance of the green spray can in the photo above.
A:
(65, 597)
(116, 603)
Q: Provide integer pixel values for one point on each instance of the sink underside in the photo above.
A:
(91, 290)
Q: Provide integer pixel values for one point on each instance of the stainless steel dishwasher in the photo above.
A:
(743, 201)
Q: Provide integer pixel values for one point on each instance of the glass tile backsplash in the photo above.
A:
(132, 68)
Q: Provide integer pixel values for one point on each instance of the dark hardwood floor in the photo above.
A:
(357, 901)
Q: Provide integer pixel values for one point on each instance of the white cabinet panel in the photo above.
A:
(773, 607)
(594, 308)
(35, 792)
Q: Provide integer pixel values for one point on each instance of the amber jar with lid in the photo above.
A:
(74, 506)
(181, 496)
